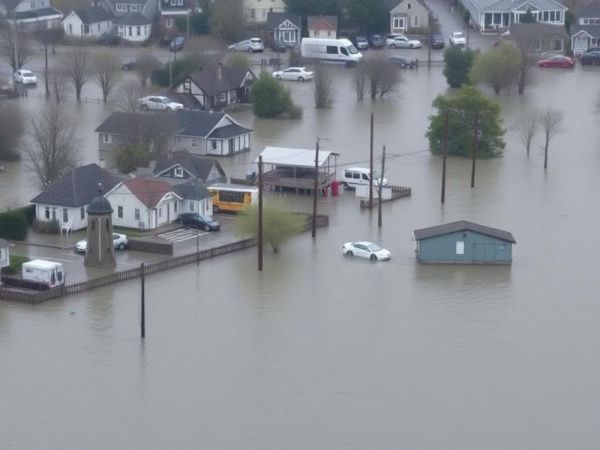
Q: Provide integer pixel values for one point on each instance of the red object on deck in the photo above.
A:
(335, 188)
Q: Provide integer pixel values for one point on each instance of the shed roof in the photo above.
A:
(462, 225)
(298, 157)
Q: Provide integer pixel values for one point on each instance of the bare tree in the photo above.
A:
(382, 76)
(146, 63)
(527, 60)
(7, 46)
(527, 128)
(359, 81)
(52, 147)
(77, 67)
(551, 123)
(127, 94)
(323, 94)
(11, 131)
(107, 71)
(57, 86)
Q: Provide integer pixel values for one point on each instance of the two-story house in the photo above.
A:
(31, 14)
(88, 22)
(256, 11)
(585, 32)
(170, 11)
(408, 16)
(133, 18)
(214, 88)
(322, 26)
(198, 132)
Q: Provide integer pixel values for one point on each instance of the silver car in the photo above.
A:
(158, 103)
(249, 45)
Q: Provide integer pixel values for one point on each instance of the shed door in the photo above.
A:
(484, 252)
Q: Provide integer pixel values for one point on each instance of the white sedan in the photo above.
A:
(294, 74)
(24, 77)
(402, 42)
(119, 241)
(158, 103)
(366, 249)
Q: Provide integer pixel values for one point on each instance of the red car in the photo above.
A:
(557, 61)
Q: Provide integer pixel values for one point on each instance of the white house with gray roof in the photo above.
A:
(497, 15)
(133, 18)
(31, 14)
(585, 31)
(88, 22)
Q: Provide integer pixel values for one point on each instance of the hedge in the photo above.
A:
(13, 225)
(16, 261)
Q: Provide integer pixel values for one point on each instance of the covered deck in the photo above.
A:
(294, 168)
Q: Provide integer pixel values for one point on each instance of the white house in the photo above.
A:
(4, 254)
(33, 13)
(65, 200)
(88, 22)
(322, 26)
(256, 11)
(148, 203)
(133, 19)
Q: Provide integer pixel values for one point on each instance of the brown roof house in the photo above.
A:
(214, 88)
(322, 26)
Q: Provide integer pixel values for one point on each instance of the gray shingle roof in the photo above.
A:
(589, 11)
(197, 123)
(592, 30)
(274, 19)
(124, 122)
(228, 131)
(38, 13)
(192, 190)
(92, 15)
(527, 31)
(132, 18)
(461, 225)
(231, 78)
(510, 5)
(197, 166)
(77, 187)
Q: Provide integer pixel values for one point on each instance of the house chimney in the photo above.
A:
(219, 71)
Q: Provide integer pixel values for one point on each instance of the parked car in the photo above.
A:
(402, 62)
(376, 41)
(294, 74)
(108, 39)
(197, 220)
(279, 46)
(590, 58)
(249, 45)
(557, 61)
(158, 103)
(437, 41)
(361, 42)
(401, 41)
(24, 77)
(177, 44)
(131, 65)
(457, 38)
(366, 249)
(119, 242)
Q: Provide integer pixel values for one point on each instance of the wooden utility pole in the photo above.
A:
(46, 64)
(475, 146)
(197, 247)
(444, 155)
(143, 303)
(380, 214)
(371, 167)
(430, 21)
(260, 213)
(315, 191)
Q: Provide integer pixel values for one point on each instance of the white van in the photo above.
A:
(48, 273)
(359, 176)
(332, 50)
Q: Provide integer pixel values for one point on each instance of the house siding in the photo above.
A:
(407, 16)
(56, 212)
(256, 11)
(73, 26)
(477, 249)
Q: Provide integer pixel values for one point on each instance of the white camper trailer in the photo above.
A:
(44, 272)
(331, 50)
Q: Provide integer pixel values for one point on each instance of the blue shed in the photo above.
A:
(463, 242)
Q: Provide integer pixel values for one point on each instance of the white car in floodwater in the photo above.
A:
(119, 242)
(366, 249)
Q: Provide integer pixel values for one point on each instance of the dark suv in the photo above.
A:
(376, 41)
(197, 220)
(437, 41)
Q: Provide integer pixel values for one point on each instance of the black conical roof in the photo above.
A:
(99, 205)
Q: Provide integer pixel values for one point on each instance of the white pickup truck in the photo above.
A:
(457, 38)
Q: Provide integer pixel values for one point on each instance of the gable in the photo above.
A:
(287, 25)
(402, 7)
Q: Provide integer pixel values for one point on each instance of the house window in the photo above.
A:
(139, 31)
(175, 207)
(106, 138)
(191, 205)
(213, 144)
(160, 212)
(557, 44)
(65, 215)
(120, 212)
(178, 172)
(545, 16)
(169, 22)
(252, 14)
(223, 96)
(187, 86)
(408, 6)
(47, 212)
(329, 34)
(194, 143)
(537, 45)
(136, 213)
(460, 247)
(82, 213)
(552, 16)
(558, 16)
(415, 21)
(398, 22)
(130, 31)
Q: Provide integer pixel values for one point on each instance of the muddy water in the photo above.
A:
(323, 352)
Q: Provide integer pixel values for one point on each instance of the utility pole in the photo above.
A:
(260, 213)
(197, 247)
(315, 191)
(475, 146)
(16, 37)
(46, 64)
(380, 213)
(445, 154)
(143, 303)
(429, 21)
(371, 167)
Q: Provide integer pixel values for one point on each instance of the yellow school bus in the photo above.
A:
(232, 197)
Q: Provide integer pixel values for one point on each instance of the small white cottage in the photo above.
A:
(4, 253)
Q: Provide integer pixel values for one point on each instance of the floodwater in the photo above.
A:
(322, 352)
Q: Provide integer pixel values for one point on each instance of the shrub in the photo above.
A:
(198, 24)
(269, 98)
(14, 267)
(29, 213)
(47, 227)
(13, 225)
(458, 64)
